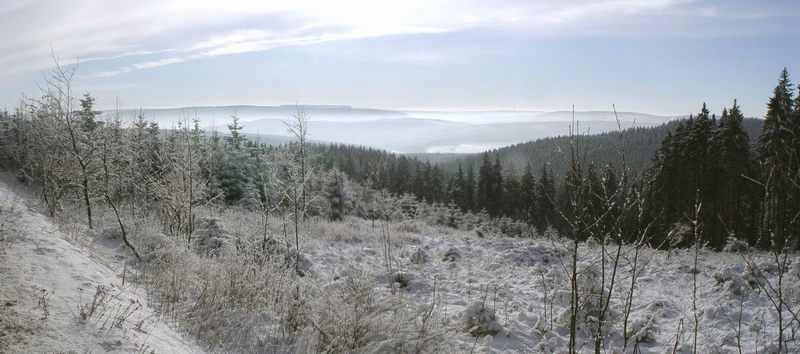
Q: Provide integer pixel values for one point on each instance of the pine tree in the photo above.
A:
(732, 168)
(235, 140)
(612, 198)
(778, 163)
(485, 185)
(528, 195)
(469, 189)
(511, 204)
(545, 201)
(458, 190)
(496, 196)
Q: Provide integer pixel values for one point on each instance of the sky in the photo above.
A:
(662, 57)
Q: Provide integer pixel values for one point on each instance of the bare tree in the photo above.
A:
(114, 156)
(181, 186)
(59, 103)
(299, 172)
(779, 253)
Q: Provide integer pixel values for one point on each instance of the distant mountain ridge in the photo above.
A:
(404, 131)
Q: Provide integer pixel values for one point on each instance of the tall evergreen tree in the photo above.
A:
(496, 196)
(485, 185)
(545, 200)
(612, 197)
(512, 205)
(732, 170)
(457, 189)
(779, 165)
(469, 189)
(528, 195)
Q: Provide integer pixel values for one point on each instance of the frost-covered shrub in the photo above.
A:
(533, 255)
(732, 280)
(451, 255)
(504, 226)
(642, 329)
(735, 245)
(589, 288)
(209, 236)
(419, 256)
(411, 227)
(304, 265)
(350, 316)
(479, 320)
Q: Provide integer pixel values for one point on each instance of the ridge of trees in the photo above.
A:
(745, 192)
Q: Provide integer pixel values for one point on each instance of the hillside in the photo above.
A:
(640, 145)
(445, 286)
(64, 291)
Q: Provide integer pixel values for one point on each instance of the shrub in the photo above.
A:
(451, 255)
(479, 320)
(419, 256)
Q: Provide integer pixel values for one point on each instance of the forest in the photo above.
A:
(707, 183)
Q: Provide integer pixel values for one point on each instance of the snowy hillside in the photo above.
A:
(466, 293)
(64, 292)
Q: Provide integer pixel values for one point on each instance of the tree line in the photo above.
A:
(743, 190)
(742, 175)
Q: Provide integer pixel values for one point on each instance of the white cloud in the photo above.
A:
(170, 32)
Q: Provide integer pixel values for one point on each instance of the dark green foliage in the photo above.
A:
(709, 162)
(339, 196)
(486, 185)
(640, 144)
(545, 200)
(528, 196)
(780, 165)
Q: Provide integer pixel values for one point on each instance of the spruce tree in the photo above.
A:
(469, 189)
(732, 170)
(457, 189)
(778, 165)
(485, 185)
(545, 200)
(511, 204)
(496, 197)
(528, 193)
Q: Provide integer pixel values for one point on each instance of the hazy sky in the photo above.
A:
(661, 56)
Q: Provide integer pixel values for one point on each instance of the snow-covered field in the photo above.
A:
(448, 285)
(525, 282)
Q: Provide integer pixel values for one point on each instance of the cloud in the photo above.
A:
(123, 36)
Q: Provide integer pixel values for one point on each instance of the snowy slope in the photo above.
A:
(523, 282)
(48, 282)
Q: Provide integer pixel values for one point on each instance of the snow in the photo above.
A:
(521, 278)
(49, 282)
(492, 294)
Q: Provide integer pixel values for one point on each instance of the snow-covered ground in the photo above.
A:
(49, 281)
(513, 293)
(520, 279)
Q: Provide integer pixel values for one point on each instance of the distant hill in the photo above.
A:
(405, 131)
(640, 145)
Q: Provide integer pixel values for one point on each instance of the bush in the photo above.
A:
(210, 237)
(419, 256)
(452, 255)
(479, 320)
(734, 245)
